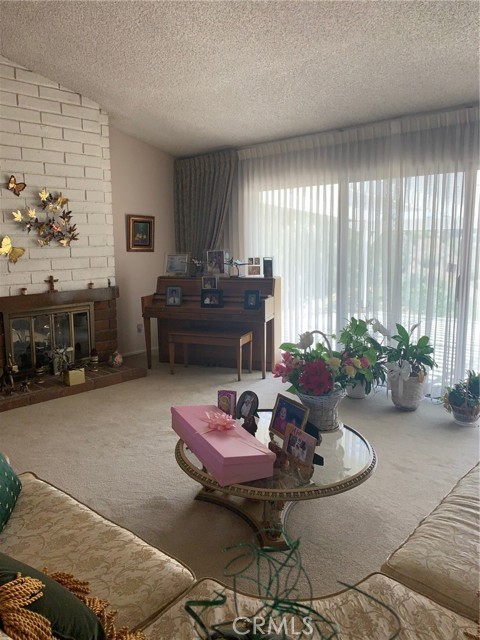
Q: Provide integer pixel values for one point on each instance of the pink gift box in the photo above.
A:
(232, 456)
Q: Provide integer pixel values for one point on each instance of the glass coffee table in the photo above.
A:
(348, 460)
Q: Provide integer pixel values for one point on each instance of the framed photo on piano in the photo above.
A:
(252, 299)
(211, 298)
(176, 264)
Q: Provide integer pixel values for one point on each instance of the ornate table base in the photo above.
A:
(266, 517)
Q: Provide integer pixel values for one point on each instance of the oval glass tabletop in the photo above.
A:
(344, 459)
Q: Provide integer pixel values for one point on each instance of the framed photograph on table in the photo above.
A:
(176, 264)
(300, 446)
(251, 299)
(173, 296)
(268, 267)
(140, 233)
(247, 405)
(212, 298)
(287, 413)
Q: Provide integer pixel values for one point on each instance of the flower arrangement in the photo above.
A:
(463, 399)
(56, 227)
(315, 369)
(363, 348)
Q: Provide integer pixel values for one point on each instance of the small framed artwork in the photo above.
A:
(140, 233)
(216, 262)
(253, 267)
(247, 405)
(268, 267)
(176, 264)
(209, 282)
(173, 296)
(227, 401)
(287, 412)
(251, 299)
(211, 298)
(300, 446)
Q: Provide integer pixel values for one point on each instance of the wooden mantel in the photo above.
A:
(105, 313)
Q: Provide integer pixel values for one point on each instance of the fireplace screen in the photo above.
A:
(35, 337)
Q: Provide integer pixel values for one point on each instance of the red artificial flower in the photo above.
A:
(316, 378)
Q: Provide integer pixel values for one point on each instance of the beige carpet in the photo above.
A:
(113, 449)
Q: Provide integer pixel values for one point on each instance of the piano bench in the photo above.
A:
(212, 338)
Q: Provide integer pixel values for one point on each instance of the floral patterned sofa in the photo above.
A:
(432, 580)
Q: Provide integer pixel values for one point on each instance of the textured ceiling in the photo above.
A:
(195, 76)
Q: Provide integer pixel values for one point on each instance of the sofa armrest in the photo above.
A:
(440, 559)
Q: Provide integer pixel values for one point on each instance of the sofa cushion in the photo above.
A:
(441, 557)
(10, 487)
(49, 528)
(356, 615)
(69, 617)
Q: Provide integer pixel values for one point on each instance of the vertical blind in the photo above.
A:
(379, 221)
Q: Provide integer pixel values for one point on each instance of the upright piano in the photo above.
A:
(264, 321)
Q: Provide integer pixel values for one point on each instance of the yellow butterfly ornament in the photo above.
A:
(13, 253)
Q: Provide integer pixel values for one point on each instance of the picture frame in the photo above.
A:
(176, 264)
(247, 405)
(216, 262)
(140, 233)
(173, 296)
(211, 298)
(268, 267)
(209, 282)
(299, 446)
(253, 267)
(227, 401)
(251, 299)
(287, 412)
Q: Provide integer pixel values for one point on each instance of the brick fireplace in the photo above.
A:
(102, 302)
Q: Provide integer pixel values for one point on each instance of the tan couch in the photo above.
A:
(431, 583)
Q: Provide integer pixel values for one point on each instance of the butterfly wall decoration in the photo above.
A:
(15, 187)
(7, 249)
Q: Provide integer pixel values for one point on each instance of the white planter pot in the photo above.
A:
(406, 394)
(357, 392)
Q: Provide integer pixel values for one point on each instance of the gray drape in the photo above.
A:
(203, 188)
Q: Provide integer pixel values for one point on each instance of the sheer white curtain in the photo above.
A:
(378, 221)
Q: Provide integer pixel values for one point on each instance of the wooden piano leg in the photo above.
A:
(239, 360)
(171, 356)
(263, 348)
(250, 355)
(148, 341)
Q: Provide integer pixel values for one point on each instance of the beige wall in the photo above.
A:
(142, 183)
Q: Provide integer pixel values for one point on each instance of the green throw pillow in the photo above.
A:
(69, 617)
(10, 487)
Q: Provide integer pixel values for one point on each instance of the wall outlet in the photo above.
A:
(139, 328)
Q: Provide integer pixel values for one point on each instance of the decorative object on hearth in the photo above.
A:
(116, 359)
(15, 187)
(61, 359)
(318, 375)
(363, 349)
(280, 613)
(56, 226)
(94, 360)
(463, 400)
(23, 291)
(11, 252)
(407, 368)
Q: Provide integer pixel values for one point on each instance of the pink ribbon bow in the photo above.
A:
(219, 421)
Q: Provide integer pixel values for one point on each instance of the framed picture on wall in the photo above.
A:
(140, 233)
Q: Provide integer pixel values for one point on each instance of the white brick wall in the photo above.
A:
(55, 138)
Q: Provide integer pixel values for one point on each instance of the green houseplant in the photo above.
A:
(407, 366)
(463, 399)
(364, 351)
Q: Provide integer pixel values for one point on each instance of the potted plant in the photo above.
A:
(318, 376)
(463, 400)
(366, 354)
(407, 365)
